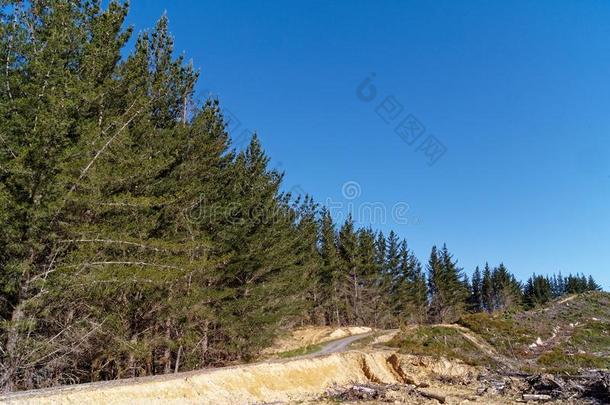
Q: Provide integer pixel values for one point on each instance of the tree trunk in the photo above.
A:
(356, 312)
(167, 355)
(7, 382)
(131, 362)
(205, 342)
(178, 359)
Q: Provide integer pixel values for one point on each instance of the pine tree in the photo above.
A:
(61, 60)
(381, 250)
(435, 278)
(417, 293)
(561, 287)
(310, 261)
(262, 241)
(122, 202)
(393, 276)
(487, 290)
(476, 298)
(592, 285)
(447, 290)
(370, 297)
(400, 282)
(537, 291)
(506, 289)
(330, 263)
(384, 280)
(349, 282)
(393, 257)
(576, 284)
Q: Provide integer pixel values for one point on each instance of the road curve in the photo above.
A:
(338, 345)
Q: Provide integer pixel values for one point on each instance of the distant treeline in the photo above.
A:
(134, 240)
(363, 277)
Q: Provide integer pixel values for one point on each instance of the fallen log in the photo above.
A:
(536, 397)
(432, 395)
(365, 390)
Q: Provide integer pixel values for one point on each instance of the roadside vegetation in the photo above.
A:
(441, 341)
(302, 351)
(564, 336)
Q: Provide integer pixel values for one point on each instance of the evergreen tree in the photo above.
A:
(537, 291)
(435, 270)
(560, 288)
(121, 200)
(576, 284)
(310, 261)
(349, 282)
(330, 263)
(592, 285)
(381, 249)
(394, 278)
(59, 110)
(476, 298)
(487, 290)
(417, 293)
(447, 290)
(400, 283)
(370, 297)
(506, 289)
(384, 282)
(393, 257)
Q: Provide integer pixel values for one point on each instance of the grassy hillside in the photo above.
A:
(567, 335)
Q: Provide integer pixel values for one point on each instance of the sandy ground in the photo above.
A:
(280, 381)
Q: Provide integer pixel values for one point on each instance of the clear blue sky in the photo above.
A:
(517, 91)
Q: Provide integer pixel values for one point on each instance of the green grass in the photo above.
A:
(301, 351)
(593, 336)
(362, 343)
(558, 361)
(588, 347)
(439, 341)
(584, 336)
(507, 335)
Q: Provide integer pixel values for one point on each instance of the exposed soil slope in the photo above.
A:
(294, 380)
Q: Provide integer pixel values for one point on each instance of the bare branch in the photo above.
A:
(7, 146)
(110, 140)
(128, 263)
(111, 241)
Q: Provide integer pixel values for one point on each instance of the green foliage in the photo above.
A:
(573, 345)
(570, 345)
(476, 297)
(301, 351)
(439, 341)
(508, 336)
(557, 361)
(539, 290)
(592, 337)
(135, 241)
(447, 289)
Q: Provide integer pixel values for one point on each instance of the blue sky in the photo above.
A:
(517, 92)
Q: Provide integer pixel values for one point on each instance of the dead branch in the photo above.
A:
(431, 395)
(111, 241)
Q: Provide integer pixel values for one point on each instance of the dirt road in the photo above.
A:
(338, 345)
